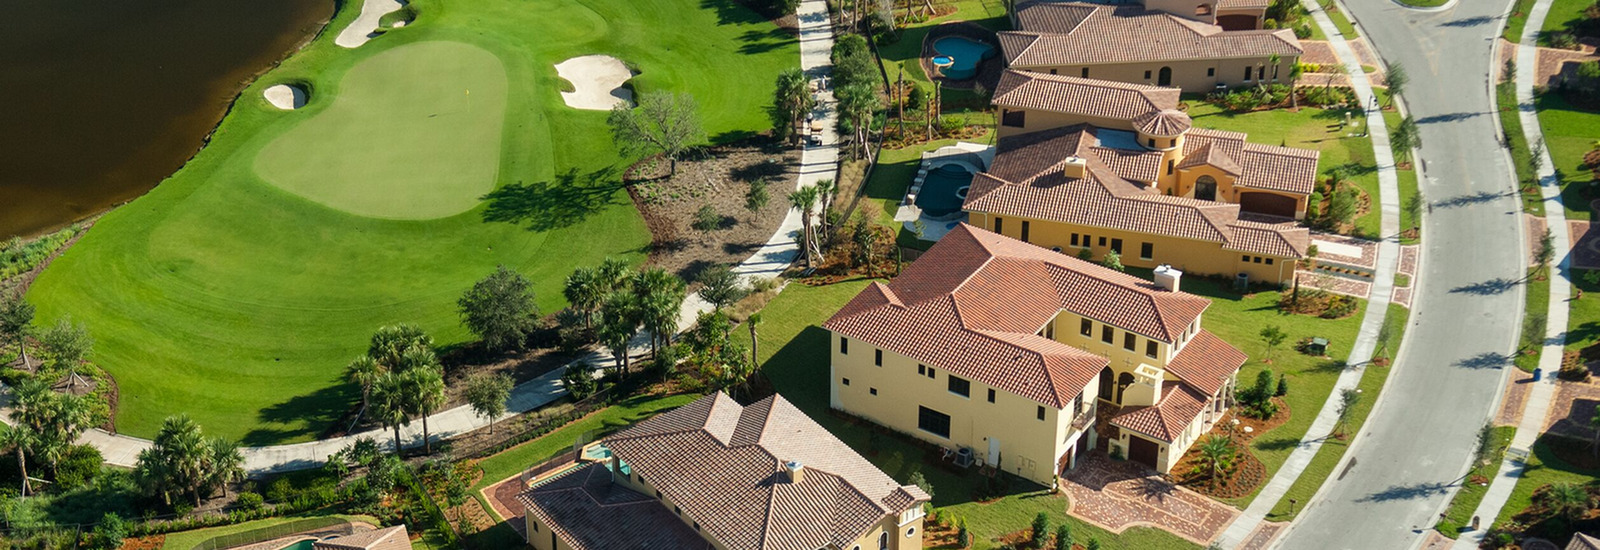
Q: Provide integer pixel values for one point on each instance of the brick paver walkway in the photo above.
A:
(1516, 394)
(1585, 245)
(1263, 536)
(1116, 495)
(1408, 260)
(1335, 284)
(1573, 406)
(1436, 541)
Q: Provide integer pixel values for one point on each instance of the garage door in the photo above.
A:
(1142, 451)
(1267, 203)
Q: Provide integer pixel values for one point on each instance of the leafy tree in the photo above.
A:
(921, 481)
(757, 197)
(585, 290)
(1283, 386)
(721, 287)
(390, 405)
(1348, 399)
(706, 220)
(1216, 455)
(1064, 537)
(1341, 208)
(1112, 260)
(487, 394)
(1397, 80)
(1094, 544)
(804, 199)
(1273, 337)
(1405, 138)
(67, 345)
(660, 296)
(664, 122)
(424, 388)
(1545, 252)
(1533, 329)
(1414, 210)
(1484, 445)
(619, 323)
(578, 381)
(722, 362)
(501, 310)
(1536, 159)
(963, 535)
(865, 240)
(1594, 424)
(1040, 531)
(791, 100)
(16, 322)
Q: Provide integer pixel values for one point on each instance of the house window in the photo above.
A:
(1211, 71)
(1086, 72)
(1170, 165)
(1151, 142)
(1040, 413)
(1086, 327)
(1077, 405)
(1247, 71)
(1202, 10)
(922, 369)
(1050, 330)
(1116, 245)
(1269, 261)
(535, 526)
(873, 391)
(959, 386)
(1245, 258)
(1024, 230)
(697, 526)
(930, 372)
(1106, 333)
(934, 422)
(883, 541)
(877, 357)
(1274, 72)
(991, 395)
(1052, 71)
(1014, 119)
(845, 381)
(1261, 73)
(1255, 260)
(1150, 349)
(1147, 250)
(844, 346)
(1130, 342)
(1147, 75)
(999, 225)
(1102, 241)
(1074, 239)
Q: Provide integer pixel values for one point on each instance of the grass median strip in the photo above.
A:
(1458, 516)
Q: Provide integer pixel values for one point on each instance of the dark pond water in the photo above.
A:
(102, 99)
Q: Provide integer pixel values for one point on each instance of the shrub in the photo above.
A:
(1041, 530)
(578, 381)
(1563, 40)
(1302, 31)
(706, 219)
(1283, 386)
(1339, 306)
(78, 467)
(109, 534)
(249, 501)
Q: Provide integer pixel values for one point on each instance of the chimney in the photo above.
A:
(1168, 277)
(1073, 167)
(794, 471)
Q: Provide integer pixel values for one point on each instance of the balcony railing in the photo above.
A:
(1084, 418)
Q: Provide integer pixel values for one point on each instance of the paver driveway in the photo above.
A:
(1116, 495)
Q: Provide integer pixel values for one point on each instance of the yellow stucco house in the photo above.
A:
(1195, 45)
(716, 475)
(1029, 358)
(1103, 166)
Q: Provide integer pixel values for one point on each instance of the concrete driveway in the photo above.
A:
(1416, 446)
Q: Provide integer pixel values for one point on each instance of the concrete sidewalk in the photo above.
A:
(1238, 533)
(817, 162)
(1537, 405)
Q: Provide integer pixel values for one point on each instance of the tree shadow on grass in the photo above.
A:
(732, 13)
(763, 41)
(313, 412)
(553, 205)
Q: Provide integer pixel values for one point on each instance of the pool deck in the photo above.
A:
(974, 156)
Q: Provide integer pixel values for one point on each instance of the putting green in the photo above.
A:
(238, 289)
(414, 133)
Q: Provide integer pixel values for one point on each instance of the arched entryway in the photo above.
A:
(1123, 381)
(1271, 204)
(1164, 77)
(1107, 384)
(1205, 188)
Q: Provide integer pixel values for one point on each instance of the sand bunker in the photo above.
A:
(597, 82)
(366, 25)
(286, 97)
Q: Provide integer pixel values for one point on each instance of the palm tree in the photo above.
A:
(1568, 500)
(20, 439)
(183, 452)
(1217, 453)
(391, 342)
(793, 98)
(804, 199)
(660, 295)
(389, 404)
(425, 395)
(364, 371)
(619, 322)
(584, 291)
(614, 274)
(857, 103)
(826, 189)
(755, 320)
(225, 464)
(16, 321)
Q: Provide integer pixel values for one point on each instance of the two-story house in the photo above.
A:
(716, 475)
(1196, 45)
(1009, 350)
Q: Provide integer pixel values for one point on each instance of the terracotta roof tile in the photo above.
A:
(1242, 4)
(589, 511)
(1581, 541)
(1206, 362)
(1180, 404)
(1068, 33)
(1267, 167)
(722, 463)
(1166, 122)
(1081, 96)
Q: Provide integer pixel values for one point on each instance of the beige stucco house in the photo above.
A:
(717, 475)
(1195, 45)
(1011, 351)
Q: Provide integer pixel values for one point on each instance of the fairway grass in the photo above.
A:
(223, 295)
(424, 149)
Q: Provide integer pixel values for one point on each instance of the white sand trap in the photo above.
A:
(364, 27)
(596, 81)
(286, 97)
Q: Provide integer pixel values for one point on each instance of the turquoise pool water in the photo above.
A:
(597, 452)
(301, 545)
(965, 52)
(943, 190)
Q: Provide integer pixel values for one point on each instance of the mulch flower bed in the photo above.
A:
(1246, 473)
(153, 542)
(939, 535)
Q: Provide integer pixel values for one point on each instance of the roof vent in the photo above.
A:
(1168, 277)
(1073, 167)
(794, 471)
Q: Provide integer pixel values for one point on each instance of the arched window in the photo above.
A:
(883, 541)
(1123, 381)
(1202, 10)
(1164, 77)
(1205, 188)
(1107, 382)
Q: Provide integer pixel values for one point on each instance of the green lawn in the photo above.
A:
(223, 295)
(1564, 15)
(1340, 21)
(186, 540)
(1310, 128)
(1458, 517)
(905, 52)
(1424, 3)
(1327, 457)
(1517, 21)
(1537, 300)
(1543, 468)
(1568, 134)
(1511, 124)
(1583, 314)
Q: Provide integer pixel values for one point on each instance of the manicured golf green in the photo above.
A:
(238, 289)
(426, 149)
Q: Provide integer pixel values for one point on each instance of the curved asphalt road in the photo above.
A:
(1415, 447)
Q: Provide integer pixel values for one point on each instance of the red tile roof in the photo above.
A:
(722, 463)
(1206, 362)
(1082, 96)
(974, 302)
(1180, 404)
(1166, 122)
(1027, 179)
(589, 511)
(1268, 167)
(1070, 33)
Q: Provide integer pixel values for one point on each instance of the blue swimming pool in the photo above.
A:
(943, 190)
(304, 544)
(965, 54)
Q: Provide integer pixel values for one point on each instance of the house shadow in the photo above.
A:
(544, 206)
(1574, 421)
